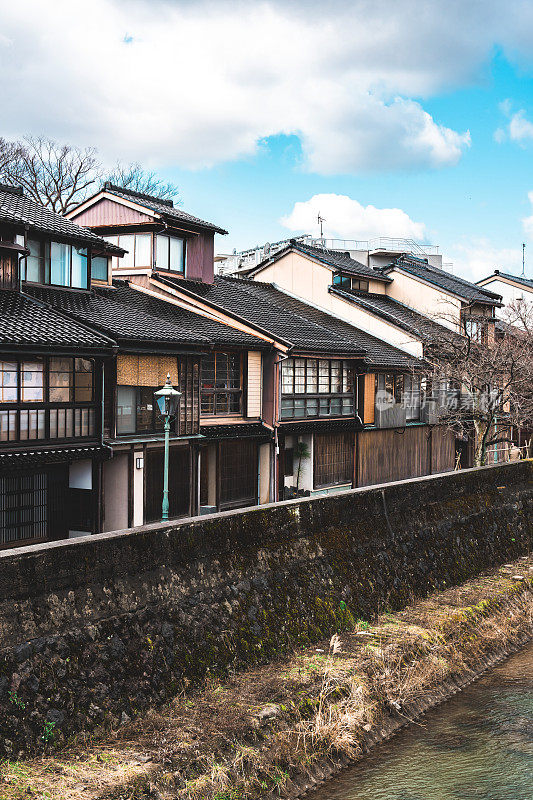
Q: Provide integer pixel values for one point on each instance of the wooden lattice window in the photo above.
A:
(238, 473)
(333, 456)
(23, 508)
(190, 399)
(221, 384)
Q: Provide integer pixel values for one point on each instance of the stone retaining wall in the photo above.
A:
(95, 628)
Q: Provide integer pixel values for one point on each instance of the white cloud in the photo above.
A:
(345, 218)
(199, 82)
(479, 257)
(519, 128)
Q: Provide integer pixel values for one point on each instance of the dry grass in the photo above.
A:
(249, 737)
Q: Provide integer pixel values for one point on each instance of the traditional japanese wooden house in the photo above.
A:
(51, 370)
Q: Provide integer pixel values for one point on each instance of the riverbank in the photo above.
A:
(278, 730)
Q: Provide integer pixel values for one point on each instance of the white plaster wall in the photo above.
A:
(430, 300)
(372, 324)
(264, 473)
(306, 473)
(116, 493)
(80, 474)
(509, 293)
(310, 281)
(138, 489)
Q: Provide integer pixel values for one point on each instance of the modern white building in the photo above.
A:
(372, 252)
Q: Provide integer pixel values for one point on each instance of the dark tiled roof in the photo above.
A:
(307, 328)
(394, 312)
(445, 280)
(31, 458)
(241, 431)
(334, 259)
(527, 282)
(17, 209)
(163, 207)
(322, 425)
(129, 315)
(27, 323)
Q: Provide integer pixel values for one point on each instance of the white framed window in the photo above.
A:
(170, 253)
(138, 248)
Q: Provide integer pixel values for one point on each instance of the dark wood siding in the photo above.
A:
(238, 466)
(110, 397)
(178, 482)
(200, 257)
(442, 449)
(9, 270)
(390, 455)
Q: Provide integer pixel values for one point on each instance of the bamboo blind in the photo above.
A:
(134, 370)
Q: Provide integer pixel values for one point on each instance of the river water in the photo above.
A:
(477, 746)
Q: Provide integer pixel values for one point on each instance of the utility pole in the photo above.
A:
(523, 259)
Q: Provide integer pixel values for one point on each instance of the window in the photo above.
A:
(344, 281)
(71, 380)
(79, 268)
(476, 330)
(9, 380)
(170, 253)
(401, 390)
(55, 263)
(313, 387)
(23, 384)
(412, 397)
(333, 456)
(138, 248)
(143, 250)
(32, 381)
(99, 268)
(137, 410)
(34, 269)
(221, 391)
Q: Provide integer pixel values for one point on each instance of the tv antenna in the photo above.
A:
(523, 259)
(320, 220)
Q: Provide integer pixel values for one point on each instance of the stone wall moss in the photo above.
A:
(96, 629)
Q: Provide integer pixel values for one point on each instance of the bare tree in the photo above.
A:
(482, 382)
(10, 155)
(58, 176)
(133, 176)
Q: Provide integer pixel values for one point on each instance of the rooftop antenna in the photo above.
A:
(320, 220)
(523, 259)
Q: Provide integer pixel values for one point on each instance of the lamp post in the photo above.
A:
(167, 400)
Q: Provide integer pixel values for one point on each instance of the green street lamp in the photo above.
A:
(167, 400)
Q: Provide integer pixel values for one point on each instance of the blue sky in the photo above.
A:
(482, 199)
(392, 117)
